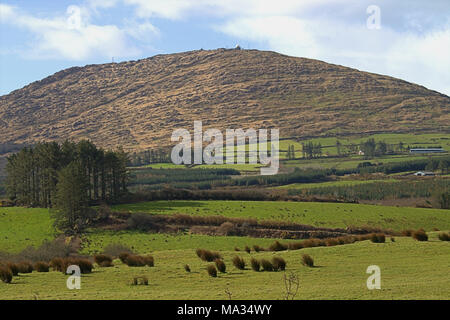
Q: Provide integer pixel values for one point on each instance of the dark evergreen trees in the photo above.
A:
(32, 173)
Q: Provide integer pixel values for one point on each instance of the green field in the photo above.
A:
(333, 215)
(142, 242)
(22, 227)
(332, 184)
(409, 270)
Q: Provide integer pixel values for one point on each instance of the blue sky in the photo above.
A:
(409, 39)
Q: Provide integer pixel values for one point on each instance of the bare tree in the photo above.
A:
(292, 284)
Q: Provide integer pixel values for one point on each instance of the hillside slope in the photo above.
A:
(138, 104)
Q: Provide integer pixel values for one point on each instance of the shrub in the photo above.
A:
(212, 271)
(41, 266)
(220, 265)
(123, 256)
(14, 268)
(312, 243)
(208, 256)
(256, 266)
(407, 233)
(58, 264)
(116, 249)
(257, 248)
(247, 249)
(277, 246)
(226, 229)
(266, 265)
(295, 245)
(307, 260)
(106, 264)
(135, 261)
(5, 274)
(149, 261)
(46, 251)
(239, 263)
(278, 263)
(444, 236)
(103, 259)
(187, 268)
(84, 264)
(420, 235)
(377, 238)
(25, 267)
(331, 242)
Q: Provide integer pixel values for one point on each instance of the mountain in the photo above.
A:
(137, 104)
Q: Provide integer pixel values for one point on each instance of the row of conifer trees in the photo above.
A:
(34, 173)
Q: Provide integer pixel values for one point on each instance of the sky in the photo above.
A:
(407, 39)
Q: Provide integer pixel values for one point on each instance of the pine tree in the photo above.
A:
(71, 213)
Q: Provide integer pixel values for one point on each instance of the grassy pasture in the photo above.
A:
(22, 227)
(334, 215)
(409, 270)
(332, 184)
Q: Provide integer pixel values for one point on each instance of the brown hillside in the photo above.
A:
(137, 104)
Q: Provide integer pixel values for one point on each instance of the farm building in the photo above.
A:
(424, 173)
(427, 150)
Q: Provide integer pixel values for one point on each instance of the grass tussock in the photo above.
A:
(41, 266)
(420, 235)
(278, 263)
(266, 265)
(58, 264)
(123, 256)
(277, 246)
(378, 238)
(14, 268)
(103, 260)
(255, 264)
(139, 261)
(220, 265)
(307, 260)
(257, 248)
(5, 274)
(239, 263)
(207, 255)
(84, 264)
(444, 236)
(212, 271)
(25, 267)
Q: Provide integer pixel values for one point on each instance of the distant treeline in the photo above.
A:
(149, 176)
(435, 163)
(137, 159)
(380, 190)
(33, 174)
(205, 179)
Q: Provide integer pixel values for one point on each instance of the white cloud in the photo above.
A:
(408, 46)
(412, 44)
(73, 36)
